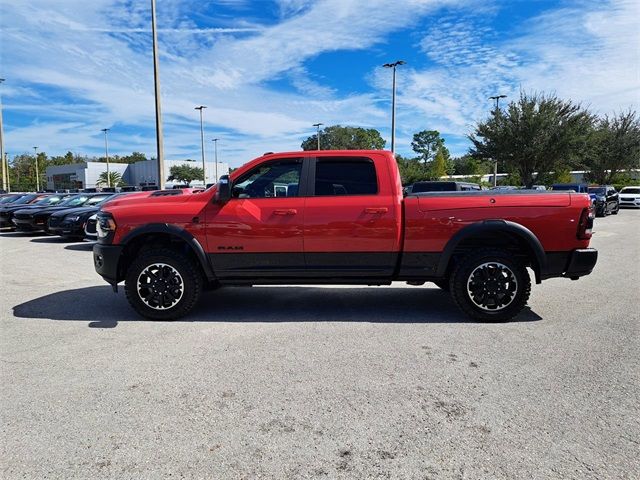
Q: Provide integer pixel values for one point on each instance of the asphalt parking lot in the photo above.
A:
(304, 382)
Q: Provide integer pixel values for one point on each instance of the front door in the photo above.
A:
(258, 232)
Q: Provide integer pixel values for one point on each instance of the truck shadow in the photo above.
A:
(103, 309)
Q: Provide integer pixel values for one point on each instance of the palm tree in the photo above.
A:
(115, 179)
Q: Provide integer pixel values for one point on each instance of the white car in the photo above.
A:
(630, 197)
(90, 228)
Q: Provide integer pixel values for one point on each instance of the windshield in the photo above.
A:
(9, 199)
(598, 190)
(24, 199)
(74, 201)
(634, 190)
(52, 200)
(97, 199)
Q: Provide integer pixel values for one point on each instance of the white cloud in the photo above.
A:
(98, 54)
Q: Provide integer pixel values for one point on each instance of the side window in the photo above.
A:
(349, 176)
(279, 178)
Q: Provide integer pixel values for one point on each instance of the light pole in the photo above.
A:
(6, 163)
(497, 99)
(106, 154)
(215, 156)
(318, 125)
(393, 102)
(35, 154)
(156, 83)
(3, 157)
(204, 170)
(495, 112)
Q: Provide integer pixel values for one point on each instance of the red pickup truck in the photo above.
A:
(339, 217)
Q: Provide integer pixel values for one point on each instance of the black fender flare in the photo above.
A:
(174, 230)
(493, 226)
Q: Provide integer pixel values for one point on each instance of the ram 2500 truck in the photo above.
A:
(339, 217)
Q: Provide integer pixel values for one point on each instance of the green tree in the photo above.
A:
(338, 137)
(613, 146)
(438, 167)
(114, 179)
(411, 170)
(427, 143)
(537, 133)
(185, 173)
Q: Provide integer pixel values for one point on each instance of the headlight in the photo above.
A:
(72, 218)
(105, 225)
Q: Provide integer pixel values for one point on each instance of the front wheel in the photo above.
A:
(163, 284)
(490, 285)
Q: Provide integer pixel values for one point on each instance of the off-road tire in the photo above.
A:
(192, 283)
(459, 281)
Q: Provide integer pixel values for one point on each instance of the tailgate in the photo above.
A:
(462, 200)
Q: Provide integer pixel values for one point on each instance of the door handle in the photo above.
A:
(375, 210)
(290, 211)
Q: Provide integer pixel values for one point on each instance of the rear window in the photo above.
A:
(348, 176)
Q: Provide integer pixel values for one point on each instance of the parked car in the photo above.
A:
(6, 212)
(35, 219)
(347, 223)
(574, 187)
(438, 186)
(607, 200)
(71, 222)
(630, 196)
(17, 202)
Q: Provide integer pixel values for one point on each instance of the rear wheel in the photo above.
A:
(163, 284)
(490, 285)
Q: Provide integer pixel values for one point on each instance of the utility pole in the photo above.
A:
(393, 102)
(106, 154)
(204, 169)
(495, 112)
(318, 125)
(5, 166)
(156, 83)
(35, 154)
(215, 156)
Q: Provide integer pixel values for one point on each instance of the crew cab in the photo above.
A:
(341, 219)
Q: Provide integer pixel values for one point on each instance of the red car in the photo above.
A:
(339, 217)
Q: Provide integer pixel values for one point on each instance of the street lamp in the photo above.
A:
(215, 156)
(318, 125)
(156, 83)
(106, 154)
(204, 170)
(497, 99)
(5, 166)
(393, 102)
(495, 164)
(35, 154)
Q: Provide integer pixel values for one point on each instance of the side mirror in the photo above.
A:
(223, 195)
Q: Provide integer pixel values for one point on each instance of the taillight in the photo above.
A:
(585, 226)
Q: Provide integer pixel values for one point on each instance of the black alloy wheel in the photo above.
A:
(490, 285)
(163, 284)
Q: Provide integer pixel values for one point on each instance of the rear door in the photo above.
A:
(352, 218)
(258, 232)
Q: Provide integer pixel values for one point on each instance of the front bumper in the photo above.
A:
(106, 259)
(630, 203)
(573, 264)
(29, 225)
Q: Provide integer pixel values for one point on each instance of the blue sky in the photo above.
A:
(267, 70)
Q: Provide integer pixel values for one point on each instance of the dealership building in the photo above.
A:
(85, 175)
